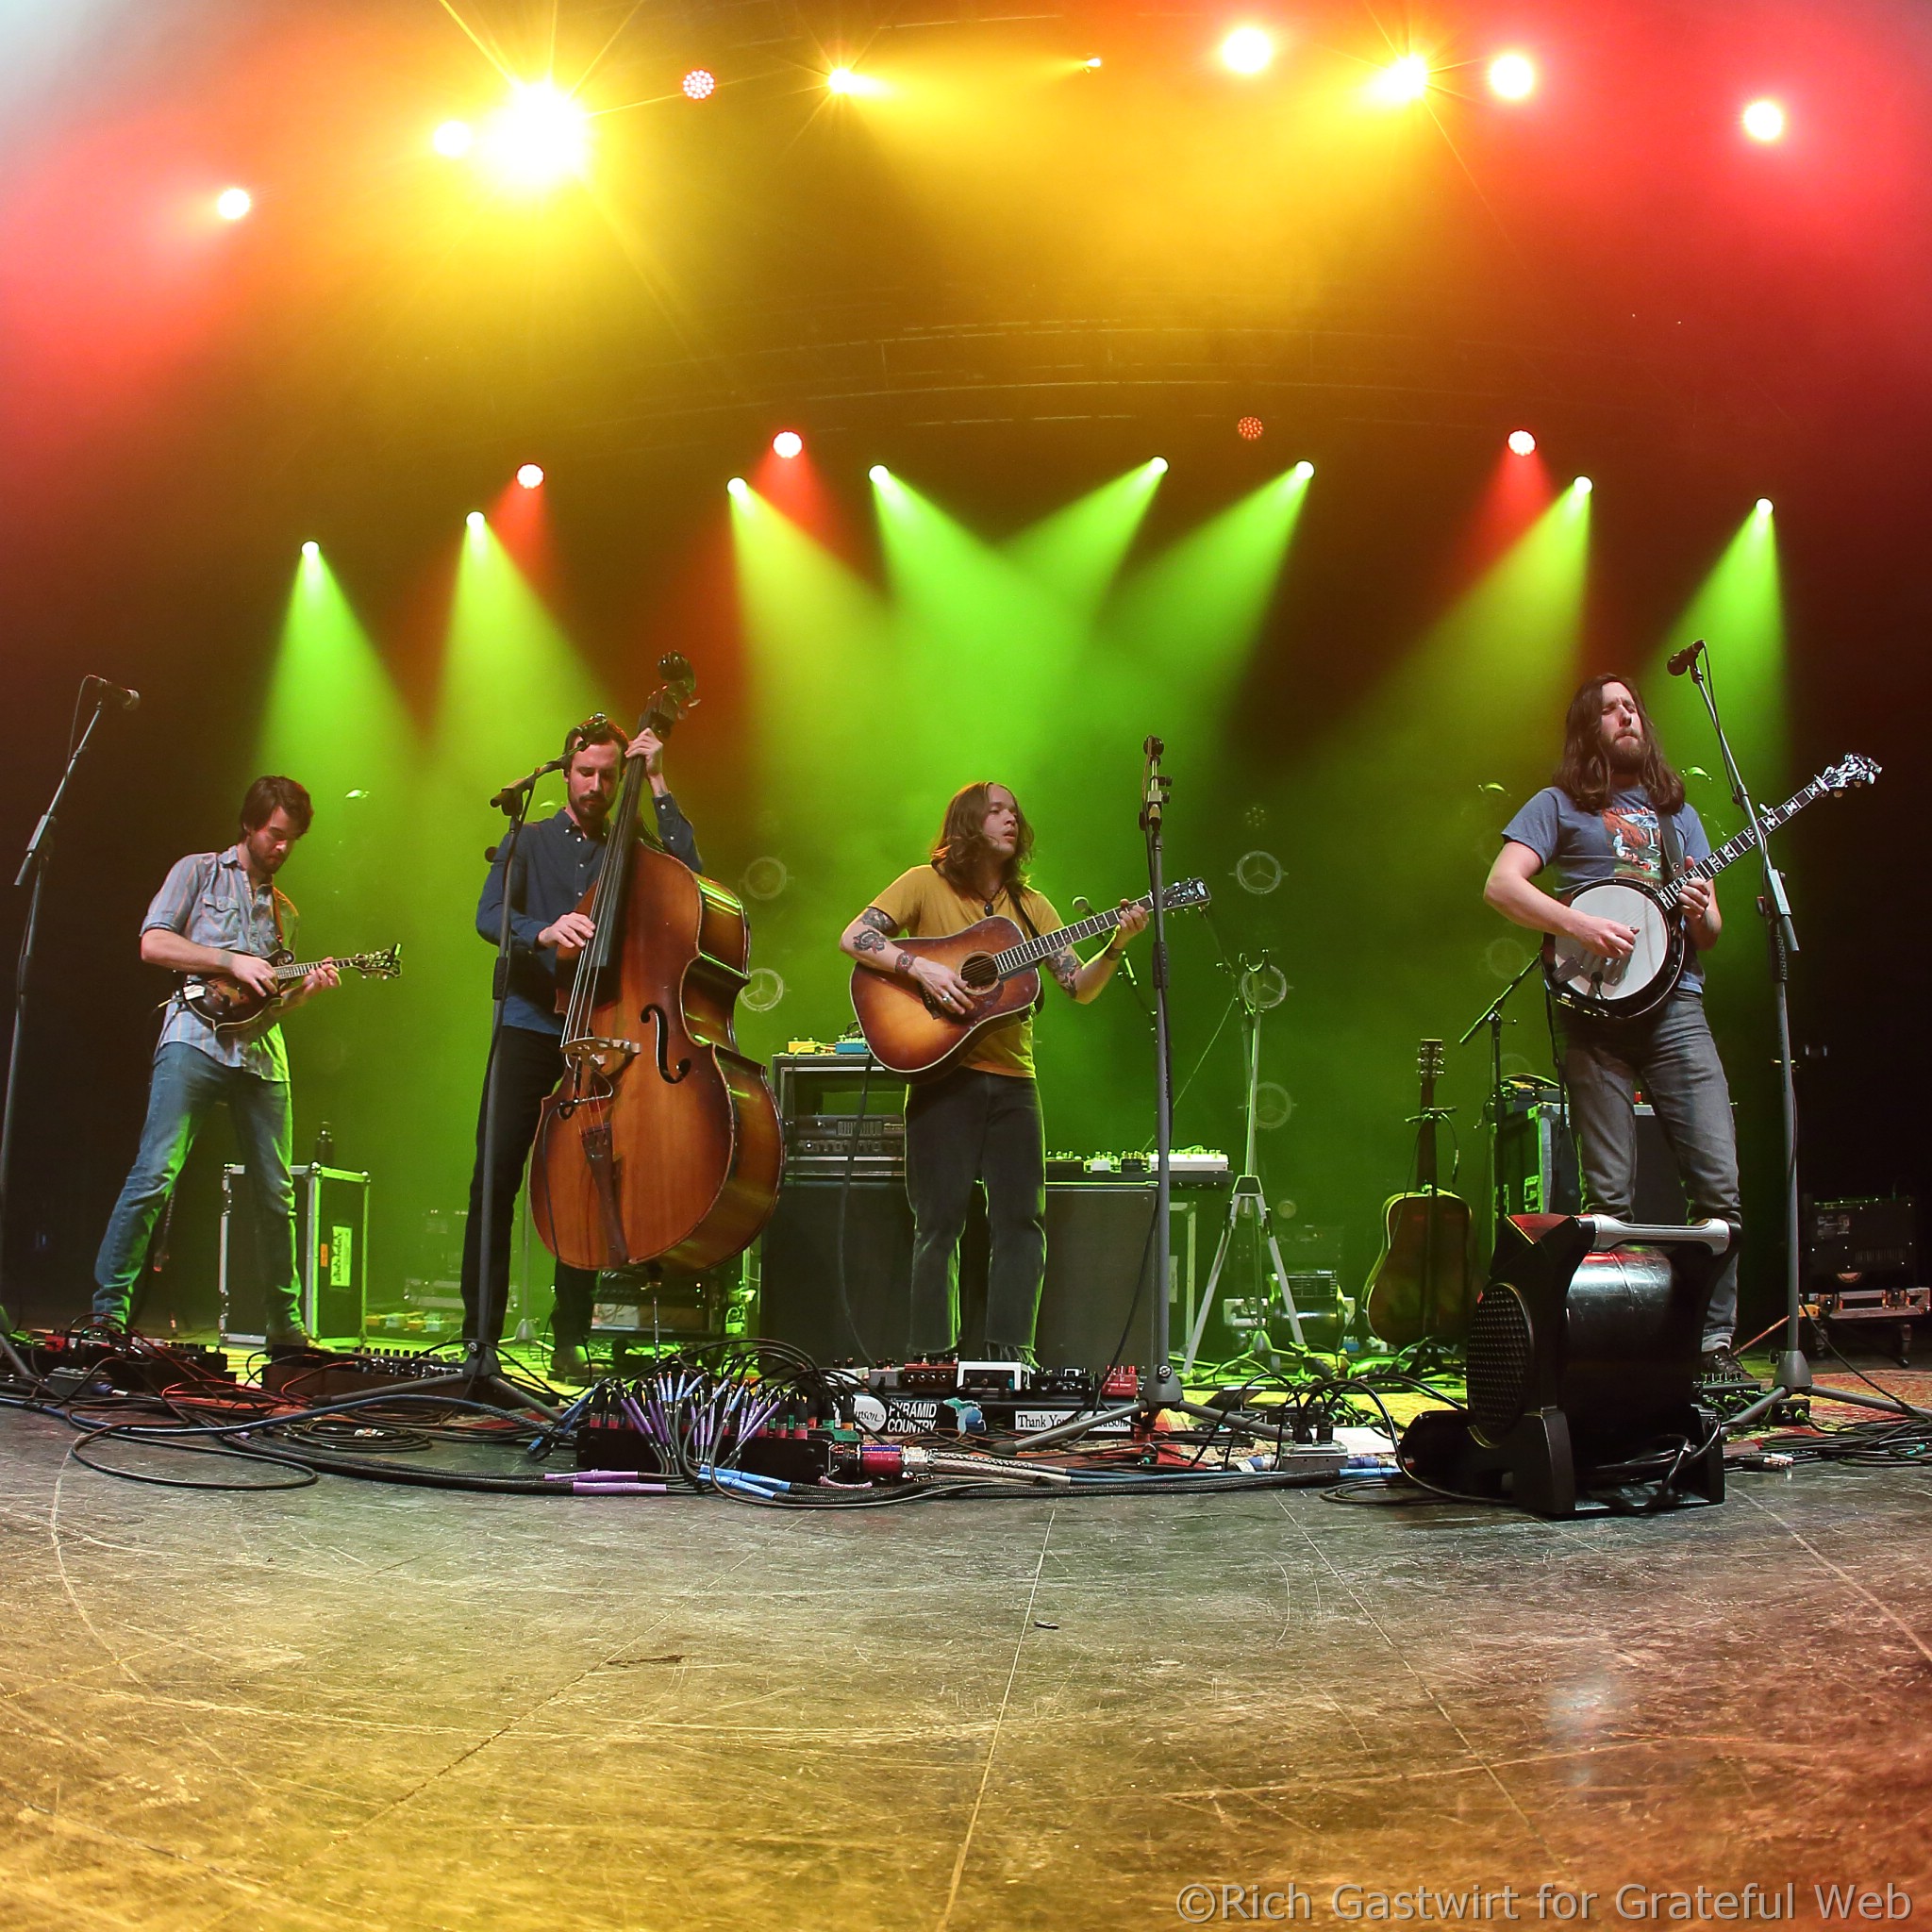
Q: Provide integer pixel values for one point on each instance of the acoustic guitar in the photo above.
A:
(1424, 1285)
(910, 1033)
(226, 1004)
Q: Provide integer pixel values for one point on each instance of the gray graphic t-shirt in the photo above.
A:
(1622, 842)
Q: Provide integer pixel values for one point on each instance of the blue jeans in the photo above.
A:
(1671, 1054)
(187, 1087)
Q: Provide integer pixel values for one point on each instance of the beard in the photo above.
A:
(1624, 752)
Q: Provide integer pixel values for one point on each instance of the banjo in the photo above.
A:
(1628, 987)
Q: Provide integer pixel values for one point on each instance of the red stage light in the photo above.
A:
(788, 444)
(1249, 428)
(700, 84)
(530, 475)
(1764, 121)
(1521, 443)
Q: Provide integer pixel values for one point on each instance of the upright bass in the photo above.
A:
(661, 1141)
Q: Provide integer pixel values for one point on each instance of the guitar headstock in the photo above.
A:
(1851, 770)
(1428, 1062)
(1184, 893)
(383, 965)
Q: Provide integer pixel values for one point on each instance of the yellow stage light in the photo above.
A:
(453, 140)
(1247, 50)
(541, 136)
(848, 81)
(1400, 82)
(231, 204)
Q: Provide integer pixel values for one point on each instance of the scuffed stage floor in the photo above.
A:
(352, 1707)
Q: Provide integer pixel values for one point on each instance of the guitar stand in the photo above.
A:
(1247, 1201)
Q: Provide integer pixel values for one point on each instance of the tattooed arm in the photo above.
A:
(1084, 982)
(869, 941)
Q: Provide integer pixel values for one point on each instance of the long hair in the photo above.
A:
(1585, 772)
(959, 847)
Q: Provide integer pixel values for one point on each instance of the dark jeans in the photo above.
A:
(1671, 1054)
(187, 1085)
(528, 1066)
(963, 1127)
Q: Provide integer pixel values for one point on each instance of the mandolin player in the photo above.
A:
(979, 1120)
(221, 912)
(1617, 810)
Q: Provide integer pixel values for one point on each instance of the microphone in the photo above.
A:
(116, 694)
(1682, 659)
(1121, 959)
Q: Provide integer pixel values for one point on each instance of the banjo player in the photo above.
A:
(1616, 812)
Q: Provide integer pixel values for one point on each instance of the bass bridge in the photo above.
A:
(595, 1060)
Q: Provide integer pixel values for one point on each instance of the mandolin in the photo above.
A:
(909, 1033)
(1423, 1286)
(226, 1004)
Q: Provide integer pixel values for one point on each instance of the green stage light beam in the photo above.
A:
(1739, 612)
(987, 641)
(1171, 647)
(334, 721)
(511, 685)
(1387, 832)
(838, 801)
(1077, 552)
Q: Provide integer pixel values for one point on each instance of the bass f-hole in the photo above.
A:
(655, 1012)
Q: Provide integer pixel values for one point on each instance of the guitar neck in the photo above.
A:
(1735, 848)
(1031, 952)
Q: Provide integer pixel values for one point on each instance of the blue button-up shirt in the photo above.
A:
(210, 899)
(556, 865)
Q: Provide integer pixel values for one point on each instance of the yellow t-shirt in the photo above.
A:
(925, 906)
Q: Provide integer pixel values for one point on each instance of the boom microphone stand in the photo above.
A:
(34, 866)
(480, 1366)
(1492, 1017)
(1793, 1373)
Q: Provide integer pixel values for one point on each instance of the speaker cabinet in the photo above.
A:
(1097, 1251)
(1535, 1156)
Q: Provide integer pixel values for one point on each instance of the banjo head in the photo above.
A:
(1630, 985)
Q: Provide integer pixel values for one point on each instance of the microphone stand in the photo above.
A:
(480, 1367)
(1792, 1377)
(1492, 1017)
(1160, 1387)
(34, 866)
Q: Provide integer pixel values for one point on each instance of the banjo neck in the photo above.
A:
(1735, 848)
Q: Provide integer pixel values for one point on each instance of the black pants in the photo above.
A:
(963, 1127)
(528, 1066)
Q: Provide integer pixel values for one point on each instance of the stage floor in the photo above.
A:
(357, 1707)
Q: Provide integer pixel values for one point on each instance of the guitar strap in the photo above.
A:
(1672, 845)
(1019, 906)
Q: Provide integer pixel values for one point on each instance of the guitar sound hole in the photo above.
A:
(979, 973)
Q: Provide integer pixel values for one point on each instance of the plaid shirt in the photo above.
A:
(209, 900)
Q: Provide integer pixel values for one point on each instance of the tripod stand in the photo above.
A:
(1258, 986)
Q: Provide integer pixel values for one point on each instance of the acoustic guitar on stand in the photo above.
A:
(910, 1033)
(1424, 1286)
